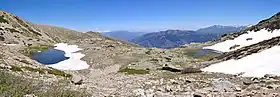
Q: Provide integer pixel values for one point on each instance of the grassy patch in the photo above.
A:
(2, 20)
(16, 69)
(180, 63)
(33, 69)
(17, 86)
(188, 51)
(40, 70)
(182, 46)
(29, 50)
(58, 73)
(133, 71)
(206, 56)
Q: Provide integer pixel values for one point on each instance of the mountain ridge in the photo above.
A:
(123, 35)
(176, 38)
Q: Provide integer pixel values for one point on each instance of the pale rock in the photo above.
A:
(223, 85)
(77, 80)
(139, 92)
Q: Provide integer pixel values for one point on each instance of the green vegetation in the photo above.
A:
(2, 20)
(180, 63)
(133, 71)
(17, 86)
(189, 51)
(182, 46)
(40, 70)
(58, 72)
(15, 69)
(33, 69)
(31, 49)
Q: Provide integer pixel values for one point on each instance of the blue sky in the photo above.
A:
(141, 15)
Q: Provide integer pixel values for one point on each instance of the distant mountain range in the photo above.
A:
(123, 35)
(220, 29)
(176, 38)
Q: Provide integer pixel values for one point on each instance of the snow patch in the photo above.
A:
(9, 44)
(255, 65)
(74, 62)
(243, 40)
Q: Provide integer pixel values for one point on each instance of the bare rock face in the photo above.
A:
(191, 70)
(171, 68)
(270, 76)
(76, 79)
(223, 86)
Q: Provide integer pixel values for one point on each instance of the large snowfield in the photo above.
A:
(74, 62)
(255, 65)
(243, 41)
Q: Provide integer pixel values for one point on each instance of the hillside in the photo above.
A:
(110, 61)
(115, 68)
(176, 38)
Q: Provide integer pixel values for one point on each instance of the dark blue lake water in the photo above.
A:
(50, 56)
(202, 52)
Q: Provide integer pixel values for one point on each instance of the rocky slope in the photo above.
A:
(117, 68)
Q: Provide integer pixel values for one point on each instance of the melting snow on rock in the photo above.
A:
(244, 40)
(255, 65)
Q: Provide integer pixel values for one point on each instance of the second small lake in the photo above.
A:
(50, 56)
